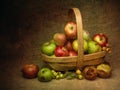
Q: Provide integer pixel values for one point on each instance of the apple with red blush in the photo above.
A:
(73, 53)
(71, 30)
(61, 51)
(68, 45)
(30, 71)
(101, 39)
(59, 38)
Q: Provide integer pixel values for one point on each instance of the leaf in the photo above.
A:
(71, 76)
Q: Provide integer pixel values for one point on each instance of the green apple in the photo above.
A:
(48, 48)
(45, 75)
(86, 35)
(93, 47)
(75, 45)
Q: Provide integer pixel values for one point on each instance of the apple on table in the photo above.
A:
(30, 71)
(45, 75)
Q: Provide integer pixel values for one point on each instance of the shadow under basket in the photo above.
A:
(75, 62)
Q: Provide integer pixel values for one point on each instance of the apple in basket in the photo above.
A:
(73, 53)
(75, 45)
(86, 35)
(101, 39)
(48, 48)
(61, 51)
(59, 38)
(70, 30)
(68, 45)
(93, 47)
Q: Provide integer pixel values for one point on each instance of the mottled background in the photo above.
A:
(26, 24)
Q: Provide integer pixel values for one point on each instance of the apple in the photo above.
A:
(60, 38)
(101, 39)
(30, 70)
(61, 51)
(90, 72)
(68, 45)
(71, 30)
(73, 53)
(48, 48)
(75, 45)
(86, 35)
(45, 75)
(85, 46)
(104, 70)
(93, 47)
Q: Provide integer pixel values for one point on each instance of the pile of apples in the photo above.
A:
(66, 44)
(45, 74)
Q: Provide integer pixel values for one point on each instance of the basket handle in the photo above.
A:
(78, 19)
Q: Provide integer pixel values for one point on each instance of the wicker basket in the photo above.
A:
(75, 62)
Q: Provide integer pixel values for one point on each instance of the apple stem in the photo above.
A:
(71, 28)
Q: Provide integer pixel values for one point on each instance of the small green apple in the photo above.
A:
(93, 47)
(48, 48)
(45, 75)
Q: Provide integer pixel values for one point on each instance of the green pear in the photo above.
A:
(93, 47)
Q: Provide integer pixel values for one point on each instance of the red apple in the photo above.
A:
(72, 53)
(30, 70)
(61, 51)
(60, 38)
(68, 45)
(71, 30)
(101, 39)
